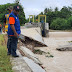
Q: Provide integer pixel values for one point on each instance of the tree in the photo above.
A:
(56, 9)
(41, 13)
(3, 11)
(69, 22)
(45, 11)
(65, 12)
(50, 17)
(59, 24)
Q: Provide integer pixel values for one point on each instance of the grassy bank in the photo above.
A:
(5, 65)
(60, 30)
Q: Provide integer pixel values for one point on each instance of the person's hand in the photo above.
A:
(16, 35)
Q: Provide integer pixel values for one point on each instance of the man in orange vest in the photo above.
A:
(13, 31)
(6, 21)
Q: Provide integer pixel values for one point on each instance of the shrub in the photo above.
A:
(69, 22)
(59, 24)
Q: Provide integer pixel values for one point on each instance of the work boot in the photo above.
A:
(16, 56)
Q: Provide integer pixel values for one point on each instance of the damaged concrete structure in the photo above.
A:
(32, 36)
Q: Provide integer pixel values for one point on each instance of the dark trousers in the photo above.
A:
(12, 45)
(0, 30)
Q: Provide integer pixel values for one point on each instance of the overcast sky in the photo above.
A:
(34, 7)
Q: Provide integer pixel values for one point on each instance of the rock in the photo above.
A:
(65, 48)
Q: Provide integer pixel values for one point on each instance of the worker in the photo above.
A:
(6, 22)
(13, 31)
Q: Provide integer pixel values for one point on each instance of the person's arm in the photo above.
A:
(12, 22)
(13, 28)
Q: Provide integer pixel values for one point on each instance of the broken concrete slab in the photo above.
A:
(35, 67)
(65, 47)
(30, 42)
(34, 35)
(30, 55)
(19, 65)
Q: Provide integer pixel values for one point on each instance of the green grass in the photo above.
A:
(5, 65)
(69, 41)
(60, 30)
(39, 52)
(1, 39)
(47, 54)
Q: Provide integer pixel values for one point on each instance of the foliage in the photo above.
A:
(1, 39)
(3, 11)
(5, 65)
(22, 16)
(59, 24)
(53, 16)
(45, 11)
(65, 12)
(56, 9)
(69, 22)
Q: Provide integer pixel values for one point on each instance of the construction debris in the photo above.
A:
(30, 55)
(33, 36)
(19, 65)
(65, 47)
(34, 67)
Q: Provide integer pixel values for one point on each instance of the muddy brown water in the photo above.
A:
(62, 61)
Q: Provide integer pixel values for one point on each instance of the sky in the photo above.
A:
(34, 7)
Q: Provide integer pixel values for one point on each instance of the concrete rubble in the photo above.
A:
(33, 35)
(67, 47)
(28, 53)
(19, 65)
(24, 64)
(35, 67)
